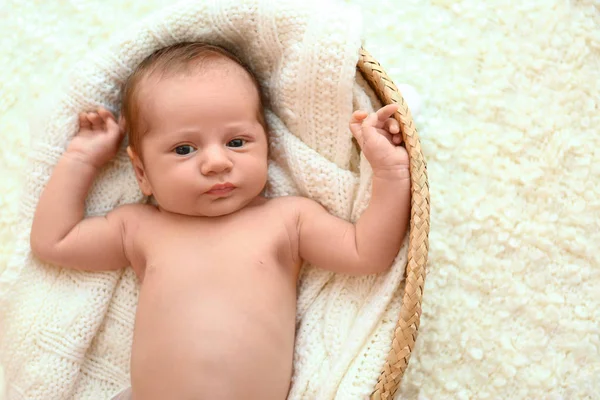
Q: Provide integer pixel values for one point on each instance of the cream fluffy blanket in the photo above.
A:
(510, 129)
(67, 334)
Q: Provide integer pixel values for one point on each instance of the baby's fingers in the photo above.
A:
(369, 124)
(355, 123)
(112, 126)
(384, 113)
(105, 115)
(358, 116)
(84, 123)
(96, 121)
(392, 126)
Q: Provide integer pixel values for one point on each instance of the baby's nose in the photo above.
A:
(215, 161)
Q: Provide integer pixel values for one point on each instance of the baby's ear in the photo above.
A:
(140, 172)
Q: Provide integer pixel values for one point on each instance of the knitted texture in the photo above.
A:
(67, 334)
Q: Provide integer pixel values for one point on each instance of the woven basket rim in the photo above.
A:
(407, 326)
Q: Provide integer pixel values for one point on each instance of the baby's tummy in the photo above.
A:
(214, 330)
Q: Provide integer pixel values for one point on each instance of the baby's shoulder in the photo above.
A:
(290, 200)
(292, 206)
(134, 214)
(132, 209)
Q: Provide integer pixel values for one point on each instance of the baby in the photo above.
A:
(217, 261)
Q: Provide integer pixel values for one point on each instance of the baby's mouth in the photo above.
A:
(221, 189)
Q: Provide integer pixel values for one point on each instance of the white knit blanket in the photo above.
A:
(67, 334)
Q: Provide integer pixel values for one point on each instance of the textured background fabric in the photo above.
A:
(509, 127)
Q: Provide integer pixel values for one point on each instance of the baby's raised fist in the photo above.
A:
(98, 138)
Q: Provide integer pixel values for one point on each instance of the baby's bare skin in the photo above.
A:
(216, 312)
(217, 262)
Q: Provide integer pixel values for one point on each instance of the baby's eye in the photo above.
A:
(184, 149)
(236, 143)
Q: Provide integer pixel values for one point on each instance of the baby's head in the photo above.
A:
(195, 119)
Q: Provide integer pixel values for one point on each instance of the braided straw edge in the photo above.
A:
(407, 328)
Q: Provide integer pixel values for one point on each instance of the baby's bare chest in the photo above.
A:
(216, 248)
(207, 282)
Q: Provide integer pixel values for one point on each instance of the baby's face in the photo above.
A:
(205, 153)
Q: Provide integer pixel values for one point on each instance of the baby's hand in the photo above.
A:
(98, 139)
(379, 137)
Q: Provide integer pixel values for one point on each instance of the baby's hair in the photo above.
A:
(180, 58)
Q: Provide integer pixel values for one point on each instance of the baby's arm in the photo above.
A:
(370, 245)
(60, 234)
